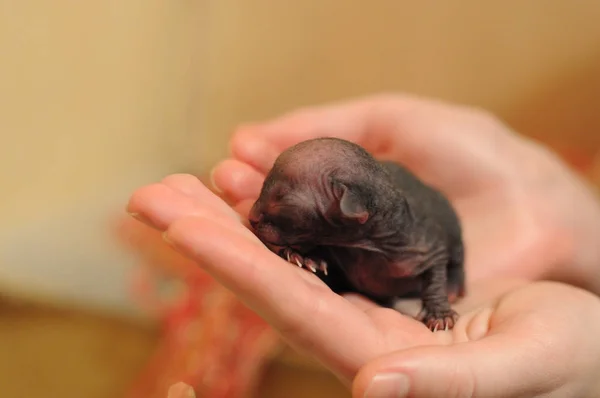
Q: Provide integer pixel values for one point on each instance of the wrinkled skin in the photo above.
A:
(329, 204)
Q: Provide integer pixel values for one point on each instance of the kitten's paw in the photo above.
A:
(438, 319)
(313, 264)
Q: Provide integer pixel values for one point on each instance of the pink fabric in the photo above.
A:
(210, 340)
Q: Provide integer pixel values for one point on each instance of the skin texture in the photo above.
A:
(181, 390)
(381, 232)
(525, 215)
(513, 338)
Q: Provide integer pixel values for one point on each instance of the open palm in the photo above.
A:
(514, 331)
(502, 321)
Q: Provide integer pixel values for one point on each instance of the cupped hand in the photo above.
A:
(524, 213)
(512, 339)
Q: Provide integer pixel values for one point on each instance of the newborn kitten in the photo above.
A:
(367, 226)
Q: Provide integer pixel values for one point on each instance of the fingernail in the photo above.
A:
(211, 177)
(140, 218)
(388, 385)
(181, 390)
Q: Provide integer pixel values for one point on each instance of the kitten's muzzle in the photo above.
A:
(265, 231)
(269, 234)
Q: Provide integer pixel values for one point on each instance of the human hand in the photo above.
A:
(181, 390)
(524, 213)
(512, 339)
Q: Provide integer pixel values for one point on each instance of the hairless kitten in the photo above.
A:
(364, 226)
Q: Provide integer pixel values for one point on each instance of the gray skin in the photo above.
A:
(363, 226)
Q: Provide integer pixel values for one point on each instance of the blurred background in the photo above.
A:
(98, 98)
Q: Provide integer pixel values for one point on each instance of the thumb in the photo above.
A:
(493, 367)
(181, 390)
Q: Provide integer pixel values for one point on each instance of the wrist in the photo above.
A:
(568, 214)
(587, 238)
(581, 266)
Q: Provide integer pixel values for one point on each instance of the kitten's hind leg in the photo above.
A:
(436, 313)
(456, 274)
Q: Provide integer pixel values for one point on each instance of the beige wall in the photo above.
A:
(92, 93)
(268, 56)
(97, 96)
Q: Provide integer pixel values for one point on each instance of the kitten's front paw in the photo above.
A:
(438, 319)
(313, 264)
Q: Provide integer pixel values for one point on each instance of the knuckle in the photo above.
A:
(239, 139)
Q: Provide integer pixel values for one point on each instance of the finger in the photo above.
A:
(237, 180)
(149, 245)
(243, 208)
(187, 184)
(292, 300)
(159, 205)
(260, 144)
(516, 360)
(415, 132)
(194, 188)
(499, 367)
(181, 390)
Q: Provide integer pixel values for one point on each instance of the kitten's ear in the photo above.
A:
(351, 205)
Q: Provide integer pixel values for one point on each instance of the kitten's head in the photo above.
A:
(318, 192)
